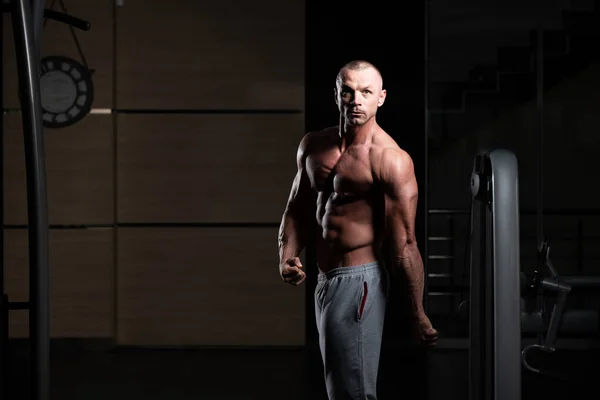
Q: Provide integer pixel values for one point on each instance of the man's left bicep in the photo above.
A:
(401, 192)
(405, 209)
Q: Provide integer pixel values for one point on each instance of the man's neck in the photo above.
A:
(355, 134)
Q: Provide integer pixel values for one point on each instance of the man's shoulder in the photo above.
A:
(324, 133)
(389, 158)
(386, 149)
(318, 137)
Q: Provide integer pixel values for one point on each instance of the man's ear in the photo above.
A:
(335, 96)
(381, 99)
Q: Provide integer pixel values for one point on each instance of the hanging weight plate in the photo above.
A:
(67, 91)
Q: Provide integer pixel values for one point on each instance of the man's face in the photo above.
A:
(358, 95)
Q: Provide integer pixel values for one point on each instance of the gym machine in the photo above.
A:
(494, 305)
(27, 20)
(498, 287)
(536, 286)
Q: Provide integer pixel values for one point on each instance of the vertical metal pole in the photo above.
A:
(540, 159)
(2, 159)
(540, 109)
(37, 15)
(478, 306)
(495, 318)
(39, 324)
(506, 276)
(580, 246)
(423, 191)
(488, 318)
(3, 320)
(480, 295)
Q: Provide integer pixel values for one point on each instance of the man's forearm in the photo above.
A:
(291, 240)
(410, 264)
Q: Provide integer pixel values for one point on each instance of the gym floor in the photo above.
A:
(272, 374)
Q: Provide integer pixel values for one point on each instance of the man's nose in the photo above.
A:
(357, 99)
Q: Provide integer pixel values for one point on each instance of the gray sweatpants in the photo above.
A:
(350, 307)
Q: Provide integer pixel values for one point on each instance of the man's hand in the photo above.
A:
(291, 271)
(425, 334)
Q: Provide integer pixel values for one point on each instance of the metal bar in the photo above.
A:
(580, 281)
(440, 275)
(3, 297)
(1, 167)
(425, 164)
(67, 19)
(489, 328)
(477, 304)
(28, 67)
(494, 306)
(540, 109)
(555, 319)
(506, 276)
(37, 27)
(527, 211)
(580, 239)
(439, 257)
(435, 292)
(452, 265)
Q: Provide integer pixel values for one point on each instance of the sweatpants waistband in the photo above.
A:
(352, 270)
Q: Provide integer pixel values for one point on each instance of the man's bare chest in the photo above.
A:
(343, 173)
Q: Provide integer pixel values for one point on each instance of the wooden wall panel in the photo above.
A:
(205, 287)
(81, 282)
(199, 168)
(79, 171)
(96, 45)
(228, 54)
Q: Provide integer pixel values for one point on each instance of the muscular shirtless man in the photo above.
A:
(354, 187)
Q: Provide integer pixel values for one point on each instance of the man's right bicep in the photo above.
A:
(301, 188)
(302, 195)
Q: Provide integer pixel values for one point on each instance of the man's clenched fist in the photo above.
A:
(291, 271)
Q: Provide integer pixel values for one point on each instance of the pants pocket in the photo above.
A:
(363, 301)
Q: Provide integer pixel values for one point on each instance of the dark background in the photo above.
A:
(164, 202)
